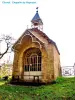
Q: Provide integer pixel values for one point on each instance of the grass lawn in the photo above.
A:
(63, 89)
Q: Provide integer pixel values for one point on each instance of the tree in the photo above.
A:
(8, 42)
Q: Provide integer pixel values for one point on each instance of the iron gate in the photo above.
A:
(68, 70)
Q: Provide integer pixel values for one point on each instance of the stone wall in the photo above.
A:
(15, 63)
(50, 68)
(56, 63)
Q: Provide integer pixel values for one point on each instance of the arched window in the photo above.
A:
(33, 62)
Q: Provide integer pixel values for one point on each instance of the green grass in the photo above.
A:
(63, 89)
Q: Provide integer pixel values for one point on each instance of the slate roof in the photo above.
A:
(36, 18)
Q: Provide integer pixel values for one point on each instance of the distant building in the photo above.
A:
(36, 56)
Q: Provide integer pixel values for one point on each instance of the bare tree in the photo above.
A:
(8, 41)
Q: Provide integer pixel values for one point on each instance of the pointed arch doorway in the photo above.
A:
(32, 64)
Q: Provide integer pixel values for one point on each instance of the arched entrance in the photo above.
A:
(32, 64)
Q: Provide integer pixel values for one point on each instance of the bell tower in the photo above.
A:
(36, 21)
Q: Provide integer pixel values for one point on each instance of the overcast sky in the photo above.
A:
(58, 17)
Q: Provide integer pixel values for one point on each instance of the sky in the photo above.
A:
(58, 17)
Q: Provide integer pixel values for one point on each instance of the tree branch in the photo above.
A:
(8, 40)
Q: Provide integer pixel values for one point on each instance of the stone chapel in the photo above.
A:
(36, 56)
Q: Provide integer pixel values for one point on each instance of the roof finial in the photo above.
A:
(37, 9)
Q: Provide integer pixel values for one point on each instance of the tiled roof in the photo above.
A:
(44, 35)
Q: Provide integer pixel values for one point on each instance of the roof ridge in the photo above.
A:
(43, 34)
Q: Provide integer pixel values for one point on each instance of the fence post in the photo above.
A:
(74, 69)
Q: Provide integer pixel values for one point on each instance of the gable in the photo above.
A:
(36, 36)
(25, 38)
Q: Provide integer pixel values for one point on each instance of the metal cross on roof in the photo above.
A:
(36, 9)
